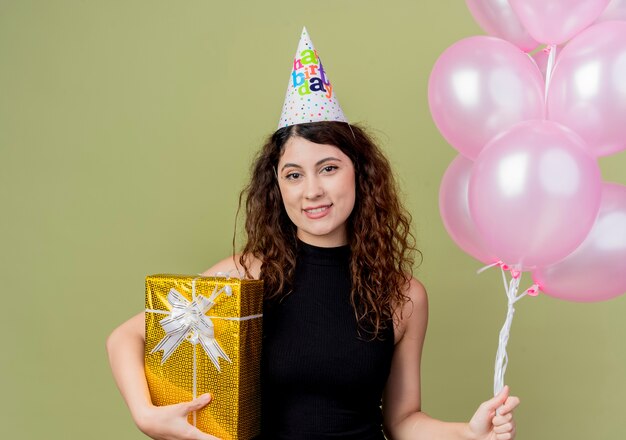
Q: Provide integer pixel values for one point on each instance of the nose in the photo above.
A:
(314, 188)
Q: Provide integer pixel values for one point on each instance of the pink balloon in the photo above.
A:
(596, 270)
(556, 21)
(616, 10)
(481, 86)
(497, 18)
(534, 193)
(588, 87)
(454, 209)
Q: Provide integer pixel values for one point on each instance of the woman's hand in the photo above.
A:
(487, 424)
(170, 422)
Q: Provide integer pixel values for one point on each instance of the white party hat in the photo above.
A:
(310, 95)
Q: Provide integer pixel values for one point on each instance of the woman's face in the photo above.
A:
(317, 185)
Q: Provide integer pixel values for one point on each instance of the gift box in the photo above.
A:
(203, 335)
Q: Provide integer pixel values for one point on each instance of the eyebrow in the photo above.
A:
(318, 163)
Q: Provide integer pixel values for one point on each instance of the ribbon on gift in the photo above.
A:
(187, 320)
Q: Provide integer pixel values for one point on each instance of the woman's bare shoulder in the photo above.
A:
(417, 293)
(412, 314)
(232, 266)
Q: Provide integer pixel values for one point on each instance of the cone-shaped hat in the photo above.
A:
(310, 94)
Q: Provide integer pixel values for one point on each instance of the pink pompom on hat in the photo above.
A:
(310, 94)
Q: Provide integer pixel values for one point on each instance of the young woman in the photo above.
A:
(344, 320)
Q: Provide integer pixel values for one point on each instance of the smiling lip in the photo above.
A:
(316, 212)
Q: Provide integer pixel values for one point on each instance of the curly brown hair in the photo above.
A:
(382, 246)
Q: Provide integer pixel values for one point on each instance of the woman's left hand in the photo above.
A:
(487, 424)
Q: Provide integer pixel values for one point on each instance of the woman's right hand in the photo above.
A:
(125, 346)
(170, 422)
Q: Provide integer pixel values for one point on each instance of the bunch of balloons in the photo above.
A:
(526, 189)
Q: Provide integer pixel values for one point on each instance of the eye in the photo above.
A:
(293, 176)
(329, 169)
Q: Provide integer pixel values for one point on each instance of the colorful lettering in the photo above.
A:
(323, 74)
(298, 78)
(308, 57)
(304, 90)
(317, 85)
(312, 77)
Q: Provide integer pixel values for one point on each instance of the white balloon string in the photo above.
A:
(502, 358)
(511, 288)
(504, 281)
(482, 269)
(549, 67)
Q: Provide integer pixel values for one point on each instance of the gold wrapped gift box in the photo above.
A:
(203, 335)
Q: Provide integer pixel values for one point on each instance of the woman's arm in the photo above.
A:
(403, 418)
(125, 347)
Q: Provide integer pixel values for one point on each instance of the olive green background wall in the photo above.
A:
(126, 131)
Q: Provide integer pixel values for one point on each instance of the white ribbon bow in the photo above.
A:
(187, 321)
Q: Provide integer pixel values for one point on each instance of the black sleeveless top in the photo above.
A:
(320, 380)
